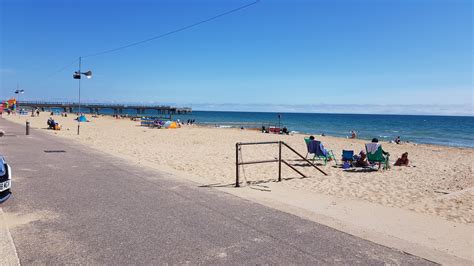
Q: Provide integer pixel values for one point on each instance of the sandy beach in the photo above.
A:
(439, 182)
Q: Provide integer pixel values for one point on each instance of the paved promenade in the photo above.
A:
(74, 205)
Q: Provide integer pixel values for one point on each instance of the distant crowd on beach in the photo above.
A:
(353, 135)
(275, 130)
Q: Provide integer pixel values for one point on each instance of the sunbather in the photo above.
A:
(403, 161)
(361, 160)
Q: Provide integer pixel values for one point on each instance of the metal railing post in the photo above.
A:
(237, 165)
(279, 161)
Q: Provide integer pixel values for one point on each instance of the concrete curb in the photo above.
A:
(8, 253)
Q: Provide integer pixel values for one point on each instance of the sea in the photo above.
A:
(455, 131)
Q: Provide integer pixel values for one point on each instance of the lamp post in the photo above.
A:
(77, 75)
(18, 91)
(279, 121)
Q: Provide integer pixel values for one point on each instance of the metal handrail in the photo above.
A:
(279, 160)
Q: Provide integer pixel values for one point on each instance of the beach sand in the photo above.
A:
(439, 182)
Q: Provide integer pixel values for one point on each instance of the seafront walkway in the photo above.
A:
(74, 205)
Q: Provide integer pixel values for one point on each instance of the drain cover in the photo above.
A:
(53, 151)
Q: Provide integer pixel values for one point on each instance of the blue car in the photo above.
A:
(5, 180)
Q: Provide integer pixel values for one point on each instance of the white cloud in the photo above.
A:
(7, 71)
(408, 109)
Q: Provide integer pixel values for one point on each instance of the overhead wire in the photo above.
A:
(62, 68)
(158, 36)
(173, 31)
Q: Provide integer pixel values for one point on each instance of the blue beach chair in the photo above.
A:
(347, 159)
(347, 156)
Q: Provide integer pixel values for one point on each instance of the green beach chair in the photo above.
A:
(378, 157)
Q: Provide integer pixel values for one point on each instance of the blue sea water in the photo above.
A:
(440, 130)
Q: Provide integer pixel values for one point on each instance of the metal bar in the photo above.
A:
(237, 165)
(256, 162)
(255, 143)
(302, 157)
(292, 167)
(279, 161)
(79, 120)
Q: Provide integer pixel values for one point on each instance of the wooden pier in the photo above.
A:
(97, 107)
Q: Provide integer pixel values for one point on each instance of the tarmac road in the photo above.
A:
(74, 205)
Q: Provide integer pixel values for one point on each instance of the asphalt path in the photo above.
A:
(75, 205)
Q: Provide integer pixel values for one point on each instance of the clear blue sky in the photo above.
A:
(275, 52)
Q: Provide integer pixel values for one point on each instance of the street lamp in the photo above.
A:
(18, 91)
(279, 121)
(77, 75)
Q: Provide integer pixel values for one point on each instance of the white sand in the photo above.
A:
(207, 155)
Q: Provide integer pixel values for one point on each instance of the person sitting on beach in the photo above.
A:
(156, 123)
(316, 147)
(397, 140)
(372, 149)
(403, 161)
(285, 131)
(51, 123)
(353, 134)
(361, 160)
(376, 140)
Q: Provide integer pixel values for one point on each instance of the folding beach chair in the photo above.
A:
(347, 159)
(307, 141)
(347, 156)
(316, 147)
(375, 155)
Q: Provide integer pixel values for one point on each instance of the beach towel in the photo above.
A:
(317, 148)
(372, 147)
